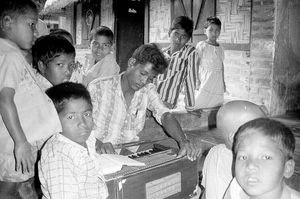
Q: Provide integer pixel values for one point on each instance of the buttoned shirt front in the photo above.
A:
(114, 121)
(68, 170)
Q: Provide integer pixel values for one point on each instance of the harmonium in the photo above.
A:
(163, 176)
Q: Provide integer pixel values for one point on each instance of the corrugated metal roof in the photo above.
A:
(54, 5)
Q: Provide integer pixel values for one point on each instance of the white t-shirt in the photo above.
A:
(36, 112)
(217, 171)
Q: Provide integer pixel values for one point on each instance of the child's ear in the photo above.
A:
(6, 22)
(113, 48)
(131, 62)
(289, 168)
(41, 67)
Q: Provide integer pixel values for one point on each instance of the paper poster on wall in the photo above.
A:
(79, 24)
(160, 17)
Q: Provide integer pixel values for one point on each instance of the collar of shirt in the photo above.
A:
(64, 139)
(42, 81)
(7, 45)
(167, 50)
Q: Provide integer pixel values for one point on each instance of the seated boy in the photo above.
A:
(217, 165)
(263, 154)
(68, 167)
(53, 57)
(103, 62)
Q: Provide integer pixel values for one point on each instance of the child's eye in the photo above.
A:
(60, 65)
(267, 157)
(70, 117)
(242, 157)
(106, 45)
(88, 114)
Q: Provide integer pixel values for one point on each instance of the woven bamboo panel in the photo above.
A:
(235, 16)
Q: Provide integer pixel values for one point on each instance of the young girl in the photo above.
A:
(211, 68)
(28, 116)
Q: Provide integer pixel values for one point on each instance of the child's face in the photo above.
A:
(22, 29)
(58, 70)
(76, 120)
(101, 46)
(179, 38)
(140, 75)
(212, 32)
(260, 165)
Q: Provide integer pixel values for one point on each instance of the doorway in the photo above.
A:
(129, 28)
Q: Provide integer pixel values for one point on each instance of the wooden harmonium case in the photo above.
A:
(164, 176)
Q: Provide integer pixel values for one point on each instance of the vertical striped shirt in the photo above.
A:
(181, 75)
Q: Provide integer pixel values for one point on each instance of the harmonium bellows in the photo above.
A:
(164, 176)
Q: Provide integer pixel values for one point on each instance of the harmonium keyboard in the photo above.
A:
(163, 176)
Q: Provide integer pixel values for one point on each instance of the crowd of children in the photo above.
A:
(43, 112)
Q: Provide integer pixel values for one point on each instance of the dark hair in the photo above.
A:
(275, 130)
(150, 53)
(60, 94)
(102, 31)
(63, 33)
(15, 8)
(212, 20)
(47, 47)
(182, 22)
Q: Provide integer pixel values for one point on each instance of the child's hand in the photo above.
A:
(190, 149)
(24, 157)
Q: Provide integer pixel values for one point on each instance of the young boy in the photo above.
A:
(103, 63)
(121, 101)
(68, 167)
(77, 73)
(218, 162)
(53, 57)
(28, 116)
(182, 71)
(263, 155)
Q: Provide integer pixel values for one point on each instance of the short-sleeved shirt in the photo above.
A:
(68, 170)
(36, 112)
(216, 171)
(114, 121)
(182, 72)
(104, 68)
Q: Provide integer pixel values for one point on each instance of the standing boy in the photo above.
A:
(181, 74)
(53, 58)
(28, 116)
